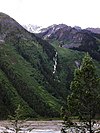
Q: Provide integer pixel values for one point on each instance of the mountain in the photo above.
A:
(77, 27)
(94, 30)
(32, 28)
(73, 38)
(26, 73)
(33, 72)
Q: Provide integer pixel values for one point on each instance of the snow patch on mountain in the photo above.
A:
(33, 28)
(51, 30)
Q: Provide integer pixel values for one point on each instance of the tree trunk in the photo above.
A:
(90, 127)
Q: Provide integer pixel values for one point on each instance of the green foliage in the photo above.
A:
(18, 114)
(26, 72)
(85, 97)
(65, 67)
(26, 61)
(20, 75)
(16, 120)
(10, 99)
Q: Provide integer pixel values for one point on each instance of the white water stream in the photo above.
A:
(55, 62)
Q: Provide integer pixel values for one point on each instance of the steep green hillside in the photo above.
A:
(9, 98)
(26, 66)
(33, 73)
(25, 79)
(68, 61)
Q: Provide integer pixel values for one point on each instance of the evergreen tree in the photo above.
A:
(85, 95)
(18, 122)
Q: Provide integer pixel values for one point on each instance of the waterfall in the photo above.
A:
(55, 62)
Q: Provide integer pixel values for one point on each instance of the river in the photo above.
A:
(53, 126)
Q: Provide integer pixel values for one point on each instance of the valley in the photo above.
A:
(36, 69)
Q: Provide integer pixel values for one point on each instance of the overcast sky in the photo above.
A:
(84, 13)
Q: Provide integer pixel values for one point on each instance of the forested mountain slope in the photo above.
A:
(33, 73)
(26, 68)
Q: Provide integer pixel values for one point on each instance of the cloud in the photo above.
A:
(46, 12)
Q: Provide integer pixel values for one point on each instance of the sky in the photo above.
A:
(83, 13)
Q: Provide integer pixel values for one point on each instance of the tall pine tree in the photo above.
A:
(85, 97)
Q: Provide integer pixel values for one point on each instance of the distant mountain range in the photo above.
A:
(94, 30)
(73, 38)
(36, 29)
(36, 69)
(87, 40)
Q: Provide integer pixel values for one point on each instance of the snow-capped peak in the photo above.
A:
(33, 28)
(53, 28)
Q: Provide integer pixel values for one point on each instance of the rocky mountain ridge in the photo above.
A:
(37, 29)
(73, 38)
(94, 30)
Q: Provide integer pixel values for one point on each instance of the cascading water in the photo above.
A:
(55, 62)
